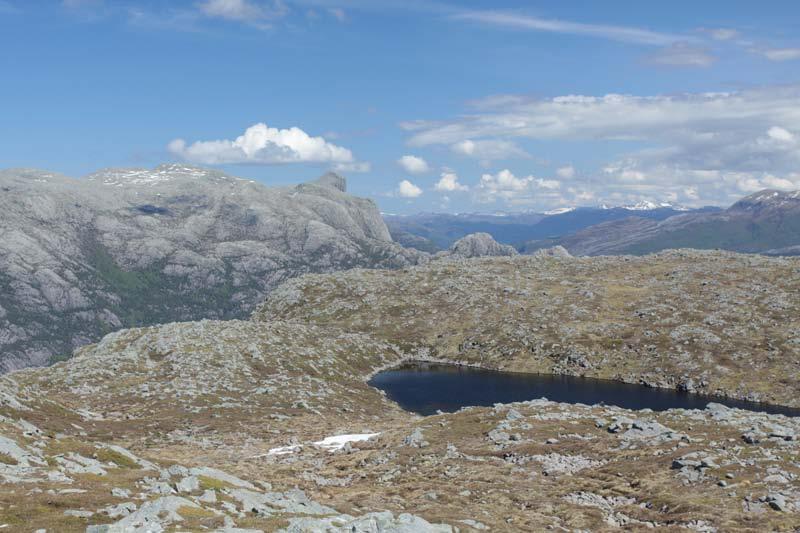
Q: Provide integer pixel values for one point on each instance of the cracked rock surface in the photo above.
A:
(80, 258)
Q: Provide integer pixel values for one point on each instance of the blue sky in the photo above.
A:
(424, 106)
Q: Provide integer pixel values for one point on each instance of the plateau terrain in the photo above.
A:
(269, 423)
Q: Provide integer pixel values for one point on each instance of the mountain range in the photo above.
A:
(765, 222)
(437, 231)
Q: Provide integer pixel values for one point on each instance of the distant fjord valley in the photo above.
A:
(185, 350)
(765, 222)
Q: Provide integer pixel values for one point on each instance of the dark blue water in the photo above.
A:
(426, 388)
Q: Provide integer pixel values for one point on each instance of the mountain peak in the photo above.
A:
(333, 180)
(767, 198)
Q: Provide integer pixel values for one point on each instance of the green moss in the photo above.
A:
(209, 483)
(107, 455)
(8, 460)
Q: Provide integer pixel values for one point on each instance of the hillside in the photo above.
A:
(767, 221)
(714, 322)
(213, 425)
(130, 247)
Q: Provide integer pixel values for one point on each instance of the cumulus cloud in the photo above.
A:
(567, 172)
(707, 142)
(779, 134)
(413, 164)
(448, 182)
(781, 54)
(262, 145)
(682, 55)
(406, 189)
(505, 186)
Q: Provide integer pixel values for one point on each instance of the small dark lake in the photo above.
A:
(425, 388)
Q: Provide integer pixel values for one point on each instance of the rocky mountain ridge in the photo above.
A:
(125, 247)
(764, 222)
(433, 232)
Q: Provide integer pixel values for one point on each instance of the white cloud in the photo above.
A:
(488, 150)
(516, 191)
(751, 184)
(615, 116)
(449, 183)
(357, 166)
(246, 11)
(413, 164)
(263, 145)
(780, 134)
(547, 184)
(406, 189)
(781, 54)
(682, 55)
(614, 33)
(696, 148)
(567, 172)
(721, 34)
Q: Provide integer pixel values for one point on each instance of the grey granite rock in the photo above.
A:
(129, 247)
(480, 245)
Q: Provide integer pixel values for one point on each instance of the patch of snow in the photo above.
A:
(559, 211)
(337, 442)
(331, 444)
(283, 450)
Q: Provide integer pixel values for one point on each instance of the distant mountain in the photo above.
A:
(765, 222)
(438, 231)
(129, 247)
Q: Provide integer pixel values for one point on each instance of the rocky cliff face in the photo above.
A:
(124, 247)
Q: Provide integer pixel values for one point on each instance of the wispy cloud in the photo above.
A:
(250, 12)
(527, 22)
(781, 54)
(720, 34)
(682, 54)
(713, 145)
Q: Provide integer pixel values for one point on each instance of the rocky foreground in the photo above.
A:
(268, 424)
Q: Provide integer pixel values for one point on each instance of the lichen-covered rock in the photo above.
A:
(480, 245)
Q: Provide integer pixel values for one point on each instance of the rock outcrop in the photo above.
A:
(128, 247)
(480, 245)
